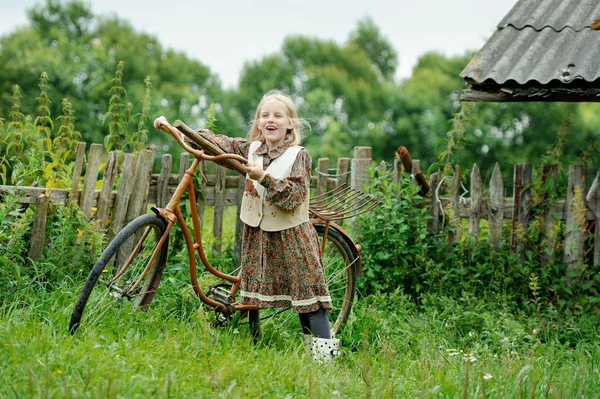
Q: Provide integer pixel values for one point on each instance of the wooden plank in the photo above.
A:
(343, 172)
(38, 230)
(415, 166)
(162, 183)
(141, 185)
(201, 200)
(91, 178)
(550, 222)
(464, 208)
(360, 167)
(218, 209)
(397, 171)
(124, 190)
(522, 199)
(322, 175)
(593, 203)
(77, 169)
(434, 200)
(29, 195)
(184, 164)
(476, 194)
(496, 208)
(108, 181)
(453, 217)
(574, 243)
(239, 225)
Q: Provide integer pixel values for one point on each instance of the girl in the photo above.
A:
(280, 262)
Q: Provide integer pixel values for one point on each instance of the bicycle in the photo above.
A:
(131, 266)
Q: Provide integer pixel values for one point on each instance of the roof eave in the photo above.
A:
(503, 93)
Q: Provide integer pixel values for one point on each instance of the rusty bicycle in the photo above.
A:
(130, 268)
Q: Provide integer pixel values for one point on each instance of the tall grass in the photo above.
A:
(389, 351)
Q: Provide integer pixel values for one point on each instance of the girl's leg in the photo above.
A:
(317, 336)
(315, 323)
(305, 323)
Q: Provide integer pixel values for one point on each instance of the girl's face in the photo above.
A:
(273, 122)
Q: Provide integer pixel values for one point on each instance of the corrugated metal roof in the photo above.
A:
(555, 14)
(541, 41)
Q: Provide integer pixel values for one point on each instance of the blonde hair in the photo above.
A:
(294, 134)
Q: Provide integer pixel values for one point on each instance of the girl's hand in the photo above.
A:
(254, 171)
(161, 120)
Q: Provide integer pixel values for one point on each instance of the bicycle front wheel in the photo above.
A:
(123, 275)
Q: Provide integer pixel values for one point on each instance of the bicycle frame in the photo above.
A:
(172, 214)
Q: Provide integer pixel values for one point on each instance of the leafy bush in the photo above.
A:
(396, 244)
(399, 251)
(72, 245)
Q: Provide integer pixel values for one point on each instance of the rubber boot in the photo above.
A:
(308, 341)
(325, 350)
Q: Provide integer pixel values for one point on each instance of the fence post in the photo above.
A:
(141, 185)
(575, 206)
(162, 184)
(549, 219)
(343, 169)
(496, 206)
(593, 201)
(218, 209)
(434, 182)
(476, 192)
(77, 169)
(239, 225)
(91, 178)
(521, 200)
(360, 167)
(108, 180)
(38, 230)
(123, 194)
(322, 176)
(454, 221)
(201, 195)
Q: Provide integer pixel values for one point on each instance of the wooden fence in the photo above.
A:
(128, 191)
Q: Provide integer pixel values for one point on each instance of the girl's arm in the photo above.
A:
(290, 192)
(230, 145)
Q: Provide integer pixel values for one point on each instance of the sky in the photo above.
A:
(224, 34)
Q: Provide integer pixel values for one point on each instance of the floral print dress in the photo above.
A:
(280, 268)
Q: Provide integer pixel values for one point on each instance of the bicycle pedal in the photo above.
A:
(221, 293)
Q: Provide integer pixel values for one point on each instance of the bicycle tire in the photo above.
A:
(340, 263)
(110, 271)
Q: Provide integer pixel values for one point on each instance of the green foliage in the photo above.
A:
(35, 152)
(79, 52)
(400, 252)
(15, 225)
(72, 245)
(396, 244)
(119, 116)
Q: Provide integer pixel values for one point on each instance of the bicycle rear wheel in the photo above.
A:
(340, 264)
(119, 272)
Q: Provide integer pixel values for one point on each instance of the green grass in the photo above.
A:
(389, 351)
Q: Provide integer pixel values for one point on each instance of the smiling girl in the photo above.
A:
(280, 264)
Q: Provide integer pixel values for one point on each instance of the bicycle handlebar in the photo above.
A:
(192, 135)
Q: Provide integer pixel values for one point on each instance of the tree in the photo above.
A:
(80, 52)
(368, 38)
